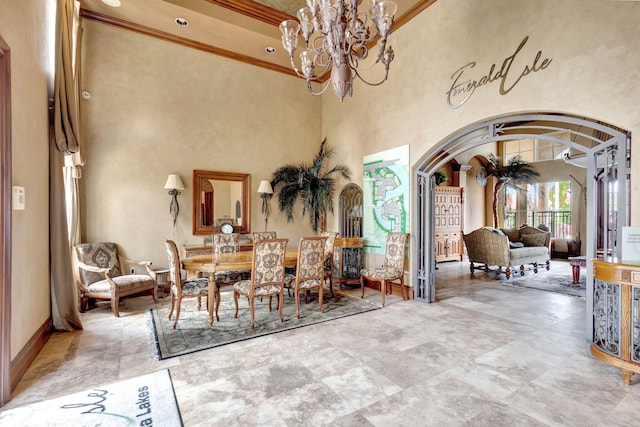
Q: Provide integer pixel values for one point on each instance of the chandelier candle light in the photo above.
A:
(342, 33)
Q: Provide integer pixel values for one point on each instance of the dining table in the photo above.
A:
(212, 263)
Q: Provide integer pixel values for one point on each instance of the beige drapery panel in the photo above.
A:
(65, 139)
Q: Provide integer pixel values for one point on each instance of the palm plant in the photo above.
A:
(516, 171)
(312, 184)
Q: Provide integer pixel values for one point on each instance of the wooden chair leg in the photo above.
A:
(235, 300)
(114, 305)
(320, 292)
(253, 312)
(383, 289)
(362, 286)
(296, 294)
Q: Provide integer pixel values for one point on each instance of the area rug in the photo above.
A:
(193, 333)
(558, 279)
(145, 400)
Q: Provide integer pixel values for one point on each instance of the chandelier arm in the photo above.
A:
(386, 74)
(310, 89)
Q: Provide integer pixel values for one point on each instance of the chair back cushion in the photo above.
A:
(268, 261)
(101, 254)
(394, 251)
(330, 243)
(174, 262)
(226, 243)
(311, 258)
(263, 235)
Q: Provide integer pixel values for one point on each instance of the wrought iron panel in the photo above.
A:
(606, 316)
(635, 323)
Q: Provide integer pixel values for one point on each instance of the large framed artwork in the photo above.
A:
(385, 196)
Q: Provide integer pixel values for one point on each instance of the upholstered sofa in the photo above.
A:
(508, 248)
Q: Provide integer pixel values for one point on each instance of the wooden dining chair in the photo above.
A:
(225, 243)
(192, 288)
(310, 271)
(267, 275)
(393, 268)
(263, 235)
(328, 256)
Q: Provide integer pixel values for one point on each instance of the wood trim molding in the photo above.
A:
(27, 355)
(5, 222)
(147, 31)
(412, 13)
(254, 10)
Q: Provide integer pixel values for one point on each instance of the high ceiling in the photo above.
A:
(238, 29)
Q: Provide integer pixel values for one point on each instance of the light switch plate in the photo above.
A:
(18, 198)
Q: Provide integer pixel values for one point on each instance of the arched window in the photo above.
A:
(351, 211)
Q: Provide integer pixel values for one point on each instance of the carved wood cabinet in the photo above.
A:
(616, 316)
(448, 217)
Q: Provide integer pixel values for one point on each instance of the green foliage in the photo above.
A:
(516, 171)
(310, 183)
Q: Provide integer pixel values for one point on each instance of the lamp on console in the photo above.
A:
(265, 190)
(174, 185)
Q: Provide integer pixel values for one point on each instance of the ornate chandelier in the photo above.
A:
(342, 33)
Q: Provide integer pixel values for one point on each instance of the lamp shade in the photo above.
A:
(174, 182)
(265, 187)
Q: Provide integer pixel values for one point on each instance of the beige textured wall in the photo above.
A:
(23, 26)
(594, 73)
(158, 108)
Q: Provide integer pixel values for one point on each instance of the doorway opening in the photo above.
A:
(601, 150)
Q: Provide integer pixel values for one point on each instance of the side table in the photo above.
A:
(162, 278)
(577, 262)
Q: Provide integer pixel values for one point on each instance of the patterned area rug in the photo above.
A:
(558, 279)
(193, 334)
(145, 400)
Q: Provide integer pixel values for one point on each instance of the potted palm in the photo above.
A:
(313, 184)
(516, 171)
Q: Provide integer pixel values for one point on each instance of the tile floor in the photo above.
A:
(485, 354)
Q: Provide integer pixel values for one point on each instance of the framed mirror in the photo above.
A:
(219, 198)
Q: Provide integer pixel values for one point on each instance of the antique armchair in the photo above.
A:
(101, 275)
(328, 256)
(180, 289)
(393, 268)
(310, 271)
(267, 275)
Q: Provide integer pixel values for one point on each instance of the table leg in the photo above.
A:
(575, 269)
(211, 297)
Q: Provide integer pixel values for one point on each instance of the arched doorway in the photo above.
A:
(603, 149)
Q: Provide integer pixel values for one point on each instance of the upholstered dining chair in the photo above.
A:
(310, 271)
(263, 235)
(267, 275)
(392, 269)
(225, 243)
(196, 287)
(101, 275)
(328, 256)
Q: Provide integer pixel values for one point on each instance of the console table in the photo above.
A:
(348, 260)
(616, 316)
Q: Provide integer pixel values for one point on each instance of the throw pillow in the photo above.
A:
(513, 233)
(514, 245)
(534, 239)
(495, 230)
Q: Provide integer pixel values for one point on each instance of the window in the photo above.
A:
(536, 150)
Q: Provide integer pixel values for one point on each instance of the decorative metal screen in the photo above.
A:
(606, 317)
(635, 324)
(351, 211)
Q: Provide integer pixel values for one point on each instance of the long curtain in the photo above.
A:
(65, 140)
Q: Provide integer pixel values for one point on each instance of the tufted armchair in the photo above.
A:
(101, 275)
(192, 288)
(393, 267)
(267, 275)
(328, 256)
